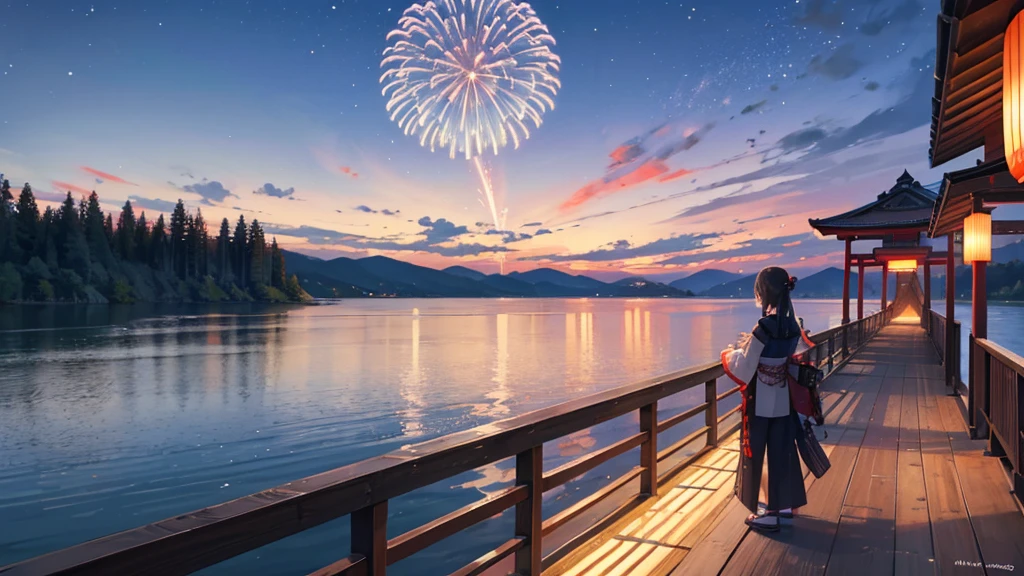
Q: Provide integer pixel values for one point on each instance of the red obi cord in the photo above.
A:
(743, 407)
(803, 334)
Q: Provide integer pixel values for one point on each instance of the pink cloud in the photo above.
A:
(648, 170)
(640, 160)
(676, 175)
(106, 176)
(58, 185)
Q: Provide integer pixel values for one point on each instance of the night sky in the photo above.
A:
(686, 135)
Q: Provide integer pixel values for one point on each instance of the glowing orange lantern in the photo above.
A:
(978, 238)
(1013, 99)
(902, 265)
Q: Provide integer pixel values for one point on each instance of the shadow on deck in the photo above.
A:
(908, 491)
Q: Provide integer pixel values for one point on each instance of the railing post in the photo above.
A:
(530, 473)
(711, 415)
(846, 340)
(831, 352)
(972, 389)
(649, 449)
(370, 536)
(983, 380)
(1018, 467)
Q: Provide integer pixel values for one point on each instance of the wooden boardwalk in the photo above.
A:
(908, 492)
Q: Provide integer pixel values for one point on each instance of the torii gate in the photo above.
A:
(898, 218)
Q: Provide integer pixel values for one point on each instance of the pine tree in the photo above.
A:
(293, 289)
(158, 245)
(241, 252)
(8, 237)
(67, 216)
(27, 223)
(277, 271)
(201, 241)
(48, 238)
(108, 230)
(126, 232)
(191, 246)
(224, 252)
(141, 239)
(72, 249)
(257, 247)
(177, 240)
(99, 245)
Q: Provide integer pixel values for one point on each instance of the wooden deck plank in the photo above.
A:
(600, 555)
(865, 539)
(672, 528)
(804, 546)
(997, 522)
(913, 543)
(908, 492)
(953, 540)
(844, 392)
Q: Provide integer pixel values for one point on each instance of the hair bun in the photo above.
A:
(792, 283)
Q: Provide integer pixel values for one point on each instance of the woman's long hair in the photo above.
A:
(772, 293)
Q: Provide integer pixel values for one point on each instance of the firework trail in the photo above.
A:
(469, 76)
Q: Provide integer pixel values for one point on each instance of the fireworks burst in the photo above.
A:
(469, 75)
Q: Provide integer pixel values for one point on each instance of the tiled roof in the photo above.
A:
(908, 204)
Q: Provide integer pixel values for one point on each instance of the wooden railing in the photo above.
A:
(997, 391)
(937, 327)
(199, 539)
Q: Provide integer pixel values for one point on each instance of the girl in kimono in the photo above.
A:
(758, 364)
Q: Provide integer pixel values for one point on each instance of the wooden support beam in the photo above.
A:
(885, 285)
(530, 473)
(1008, 227)
(370, 536)
(860, 292)
(711, 416)
(927, 289)
(649, 450)
(979, 301)
(951, 378)
(846, 282)
(1003, 197)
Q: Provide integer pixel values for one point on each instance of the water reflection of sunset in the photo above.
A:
(499, 394)
(410, 387)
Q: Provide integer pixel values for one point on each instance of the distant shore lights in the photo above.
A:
(1013, 98)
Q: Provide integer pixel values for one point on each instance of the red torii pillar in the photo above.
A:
(885, 284)
(860, 290)
(846, 282)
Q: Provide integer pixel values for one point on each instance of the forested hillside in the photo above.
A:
(77, 253)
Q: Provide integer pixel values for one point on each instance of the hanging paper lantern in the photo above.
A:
(1013, 99)
(978, 238)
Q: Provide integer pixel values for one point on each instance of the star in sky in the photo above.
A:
(727, 112)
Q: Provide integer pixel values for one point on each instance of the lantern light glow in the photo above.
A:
(1013, 99)
(978, 238)
(902, 265)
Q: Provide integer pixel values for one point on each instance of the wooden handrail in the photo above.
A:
(1012, 360)
(997, 396)
(362, 490)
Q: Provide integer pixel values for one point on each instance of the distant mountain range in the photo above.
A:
(382, 276)
(379, 276)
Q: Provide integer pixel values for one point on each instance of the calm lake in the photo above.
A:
(113, 417)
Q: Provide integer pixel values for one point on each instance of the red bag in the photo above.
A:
(804, 394)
